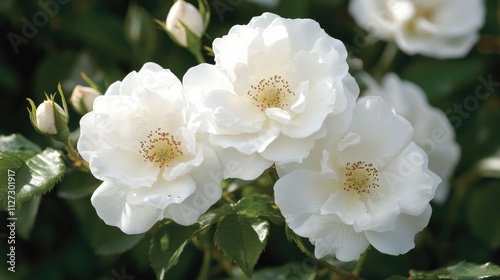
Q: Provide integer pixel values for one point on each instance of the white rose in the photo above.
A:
(436, 28)
(369, 186)
(274, 83)
(433, 131)
(139, 141)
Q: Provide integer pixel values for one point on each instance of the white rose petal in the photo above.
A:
(110, 201)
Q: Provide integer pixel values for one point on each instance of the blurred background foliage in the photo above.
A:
(108, 39)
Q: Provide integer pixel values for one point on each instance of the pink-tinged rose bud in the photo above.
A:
(83, 98)
(190, 17)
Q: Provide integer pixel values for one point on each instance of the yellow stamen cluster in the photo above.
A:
(160, 148)
(360, 177)
(271, 93)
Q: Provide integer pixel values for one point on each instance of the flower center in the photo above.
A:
(270, 93)
(160, 148)
(360, 177)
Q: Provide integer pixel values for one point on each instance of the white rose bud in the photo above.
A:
(191, 17)
(45, 117)
(83, 98)
(49, 118)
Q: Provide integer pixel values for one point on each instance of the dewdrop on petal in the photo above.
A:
(181, 15)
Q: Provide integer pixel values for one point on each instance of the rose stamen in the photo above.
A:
(160, 148)
(360, 177)
(271, 93)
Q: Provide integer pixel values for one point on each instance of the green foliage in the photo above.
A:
(17, 142)
(167, 245)
(460, 271)
(242, 239)
(39, 174)
(240, 234)
(35, 172)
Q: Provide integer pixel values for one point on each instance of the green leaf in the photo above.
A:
(242, 239)
(214, 216)
(167, 245)
(16, 142)
(26, 216)
(108, 240)
(460, 271)
(39, 174)
(260, 205)
(35, 172)
(482, 214)
(9, 163)
(465, 270)
(256, 205)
